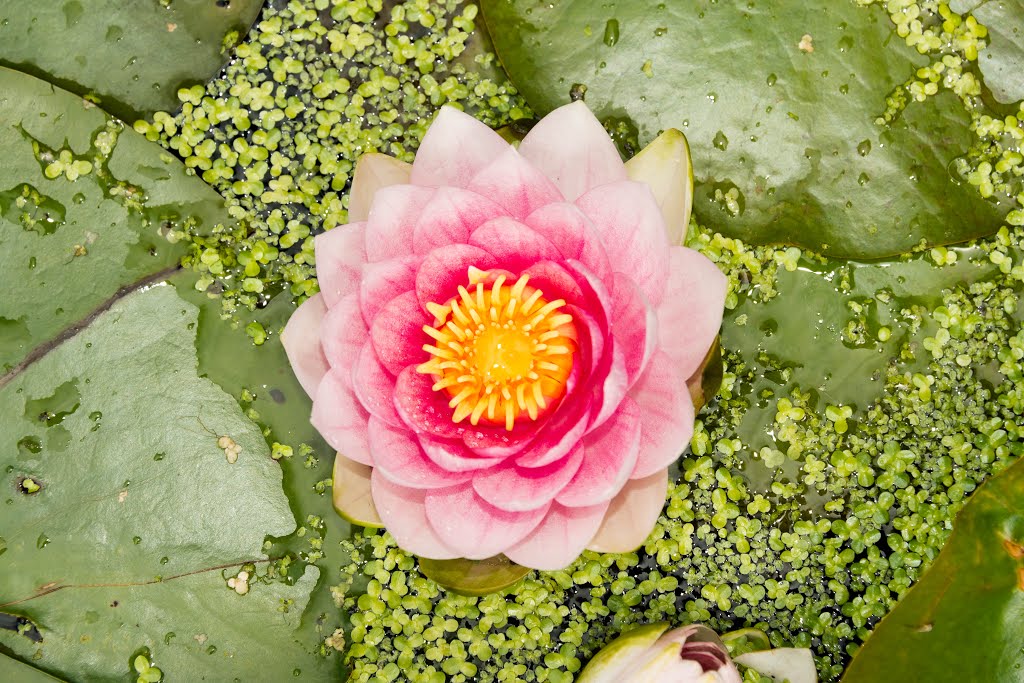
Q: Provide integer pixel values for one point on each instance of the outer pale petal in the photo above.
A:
(351, 492)
(515, 184)
(514, 488)
(340, 255)
(301, 341)
(512, 244)
(691, 315)
(634, 325)
(374, 172)
(404, 514)
(632, 515)
(393, 216)
(473, 527)
(666, 416)
(455, 148)
(397, 333)
(450, 217)
(573, 149)
(665, 166)
(630, 225)
(559, 539)
(611, 454)
(343, 333)
(341, 419)
(398, 456)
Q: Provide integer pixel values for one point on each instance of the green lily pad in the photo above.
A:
(474, 577)
(779, 102)
(964, 620)
(131, 57)
(150, 492)
(68, 247)
(1002, 62)
(13, 670)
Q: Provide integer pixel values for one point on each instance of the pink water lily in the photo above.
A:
(501, 342)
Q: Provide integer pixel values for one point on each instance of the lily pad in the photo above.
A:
(1002, 62)
(70, 246)
(149, 494)
(474, 577)
(129, 56)
(964, 620)
(779, 101)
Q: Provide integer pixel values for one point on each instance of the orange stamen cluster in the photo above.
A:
(500, 351)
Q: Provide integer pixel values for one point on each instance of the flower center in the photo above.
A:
(500, 351)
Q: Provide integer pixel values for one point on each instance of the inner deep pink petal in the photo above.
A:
(340, 254)
(385, 280)
(398, 456)
(424, 410)
(512, 244)
(444, 269)
(474, 528)
(454, 456)
(397, 333)
(374, 386)
(573, 234)
(455, 148)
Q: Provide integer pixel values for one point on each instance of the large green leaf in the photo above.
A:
(778, 100)
(131, 56)
(1002, 62)
(130, 508)
(69, 246)
(964, 620)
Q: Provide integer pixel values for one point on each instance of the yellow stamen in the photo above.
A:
(502, 352)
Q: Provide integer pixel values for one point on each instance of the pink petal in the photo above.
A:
(340, 255)
(666, 416)
(454, 456)
(425, 411)
(455, 148)
(397, 333)
(634, 325)
(385, 280)
(554, 281)
(611, 455)
(630, 225)
(573, 149)
(389, 229)
(613, 388)
(340, 418)
(472, 527)
(404, 514)
(691, 314)
(559, 539)
(450, 217)
(373, 172)
(512, 244)
(444, 269)
(343, 333)
(374, 387)
(301, 341)
(563, 432)
(515, 184)
(573, 235)
(398, 456)
(632, 515)
(514, 488)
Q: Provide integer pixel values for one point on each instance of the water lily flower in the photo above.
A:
(501, 342)
(690, 654)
